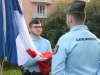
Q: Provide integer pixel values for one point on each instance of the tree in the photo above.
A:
(93, 17)
(55, 25)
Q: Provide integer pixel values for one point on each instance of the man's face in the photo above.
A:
(36, 29)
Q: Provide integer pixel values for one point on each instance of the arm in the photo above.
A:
(33, 61)
(30, 62)
(58, 60)
(98, 73)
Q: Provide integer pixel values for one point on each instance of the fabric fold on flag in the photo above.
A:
(1, 31)
(17, 39)
(44, 66)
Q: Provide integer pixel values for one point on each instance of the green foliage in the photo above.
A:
(55, 25)
(93, 17)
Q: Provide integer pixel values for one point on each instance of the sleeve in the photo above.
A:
(30, 62)
(98, 73)
(58, 60)
(49, 47)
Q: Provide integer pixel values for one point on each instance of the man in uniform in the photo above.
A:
(78, 50)
(42, 45)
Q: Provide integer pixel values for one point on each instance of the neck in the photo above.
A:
(35, 37)
(76, 24)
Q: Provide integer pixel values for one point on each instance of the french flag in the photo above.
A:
(15, 41)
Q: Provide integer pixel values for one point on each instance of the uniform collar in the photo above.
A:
(35, 39)
(78, 27)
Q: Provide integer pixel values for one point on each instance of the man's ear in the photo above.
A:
(70, 18)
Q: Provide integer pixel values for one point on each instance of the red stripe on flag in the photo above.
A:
(44, 66)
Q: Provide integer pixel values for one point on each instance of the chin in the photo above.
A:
(38, 35)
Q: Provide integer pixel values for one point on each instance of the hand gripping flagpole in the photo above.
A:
(4, 30)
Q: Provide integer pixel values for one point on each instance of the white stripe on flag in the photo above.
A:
(23, 40)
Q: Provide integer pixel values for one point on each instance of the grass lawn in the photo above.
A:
(9, 69)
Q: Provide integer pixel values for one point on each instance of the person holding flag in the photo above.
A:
(16, 45)
(41, 44)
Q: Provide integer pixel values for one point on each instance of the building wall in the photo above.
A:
(29, 8)
(26, 10)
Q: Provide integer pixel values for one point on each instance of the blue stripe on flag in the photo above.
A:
(16, 6)
(11, 31)
(1, 31)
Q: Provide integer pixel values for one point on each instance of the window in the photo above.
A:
(41, 10)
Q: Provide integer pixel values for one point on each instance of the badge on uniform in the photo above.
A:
(55, 49)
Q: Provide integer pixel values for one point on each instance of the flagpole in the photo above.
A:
(4, 31)
(0, 68)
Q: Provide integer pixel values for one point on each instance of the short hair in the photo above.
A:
(76, 6)
(78, 16)
(77, 10)
(34, 21)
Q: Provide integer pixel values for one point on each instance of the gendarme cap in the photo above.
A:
(76, 6)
